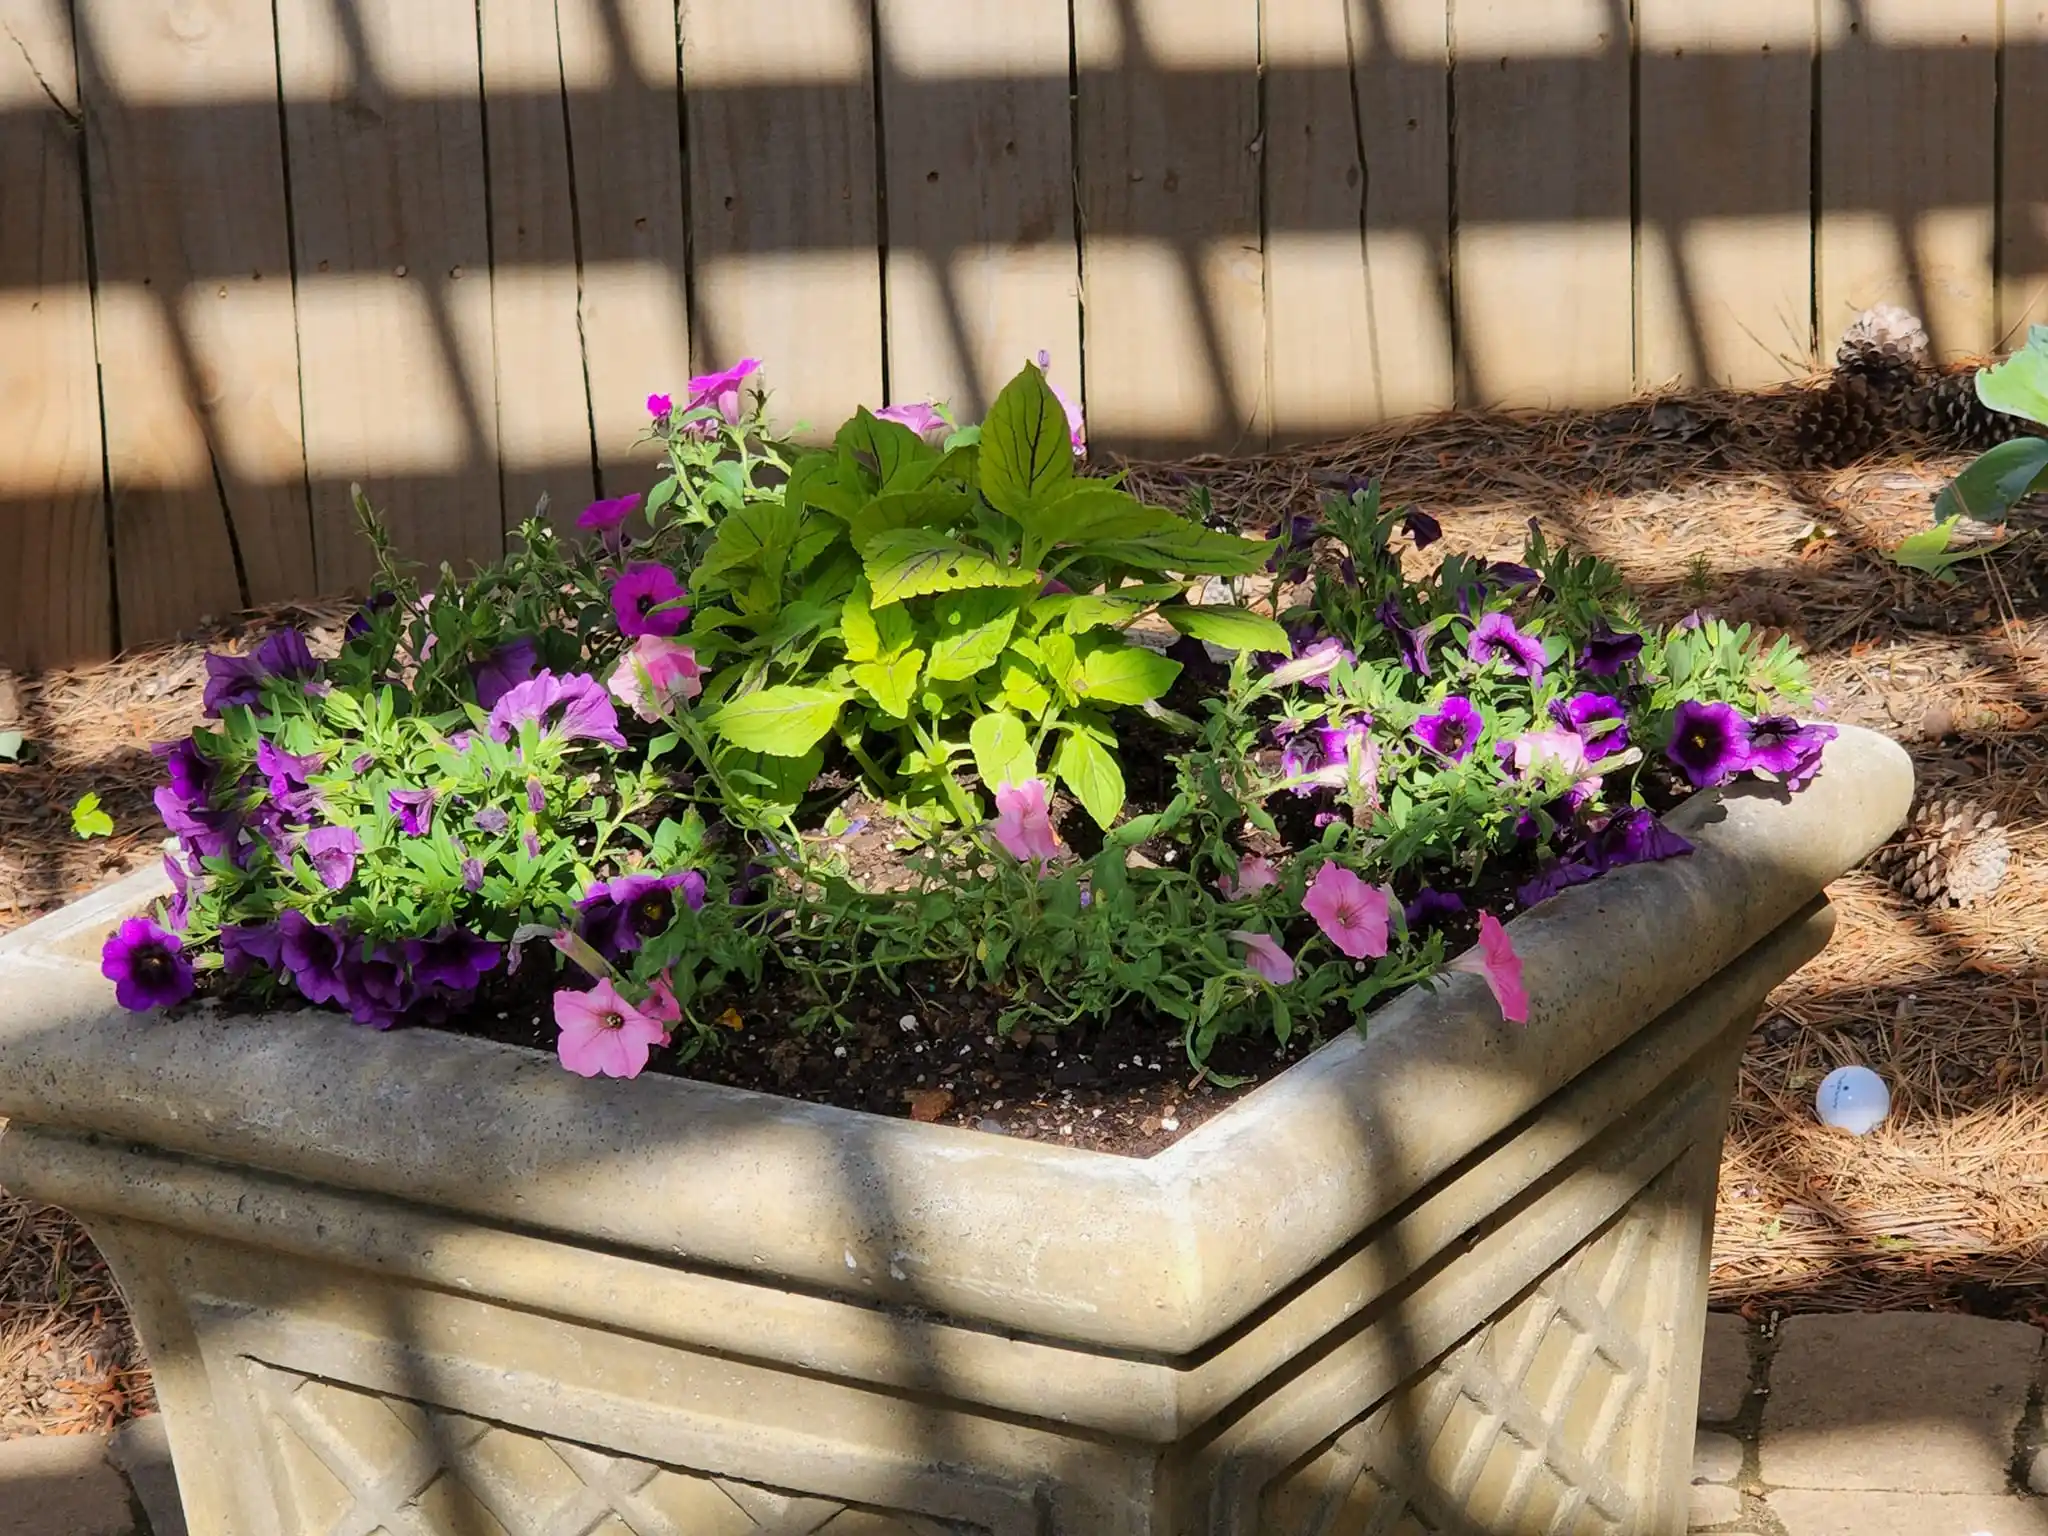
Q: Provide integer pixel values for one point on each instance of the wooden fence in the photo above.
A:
(252, 250)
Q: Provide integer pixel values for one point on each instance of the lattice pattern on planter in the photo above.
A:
(354, 1463)
(1523, 1427)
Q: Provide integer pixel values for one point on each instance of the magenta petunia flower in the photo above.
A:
(332, 851)
(919, 416)
(1709, 743)
(1023, 824)
(1265, 956)
(1494, 959)
(147, 965)
(456, 960)
(659, 406)
(608, 516)
(1609, 650)
(1495, 636)
(647, 600)
(1255, 873)
(1454, 730)
(569, 708)
(505, 668)
(1789, 751)
(721, 392)
(1353, 915)
(1597, 719)
(414, 809)
(315, 956)
(655, 675)
(1077, 430)
(603, 1035)
(620, 914)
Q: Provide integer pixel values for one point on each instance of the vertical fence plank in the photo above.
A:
(385, 139)
(543, 427)
(198, 344)
(2023, 253)
(1172, 270)
(55, 593)
(1356, 250)
(1908, 92)
(625, 135)
(982, 271)
(779, 98)
(1544, 245)
(1724, 263)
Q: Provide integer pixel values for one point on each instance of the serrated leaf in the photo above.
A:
(1126, 674)
(913, 562)
(891, 684)
(888, 449)
(758, 537)
(935, 506)
(1026, 450)
(783, 721)
(1238, 628)
(2019, 385)
(1996, 482)
(1002, 749)
(1022, 691)
(974, 628)
(1087, 769)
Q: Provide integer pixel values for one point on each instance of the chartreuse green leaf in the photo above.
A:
(892, 684)
(1087, 768)
(935, 506)
(1930, 550)
(1125, 674)
(1088, 512)
(1238, 628)
(1188, 548)
(1992, 486)
(2019, 385)
(895, 455)
(1026, 452)
(783, 721)
(1097, 610)
(1002, 749)
(1022, 690)
(973, 629)
(88, 820)
(758, 537)
(913, 562)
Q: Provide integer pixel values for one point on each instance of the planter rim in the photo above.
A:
(1146, 1254)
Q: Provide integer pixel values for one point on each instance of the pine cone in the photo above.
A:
(1947, 412)
(1885, 344)
(1952, 853)
(1846, 419)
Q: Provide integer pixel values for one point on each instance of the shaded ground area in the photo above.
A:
(1946, 1206)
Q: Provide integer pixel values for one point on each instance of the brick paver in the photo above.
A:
(1724, 1376)
(62, 1485)
(1829, 1512)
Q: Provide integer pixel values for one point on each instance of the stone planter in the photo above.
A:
(1447, 1276)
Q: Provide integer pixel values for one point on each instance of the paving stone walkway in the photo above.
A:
(1895, 1424)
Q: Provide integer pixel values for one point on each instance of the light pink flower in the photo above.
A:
(1265, 956)
(721, 391)
(1553, 748)
(918, 415)
(1023, 824)
(603, 1034)
(1254, 874)
(1494, 958)
(1352, 914)
(652, 676)
(1077, 431)
(661, 1005)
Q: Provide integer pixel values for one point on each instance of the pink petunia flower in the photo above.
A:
(918, 415)
(1023, 824)
(661, 1005)
(659, 406)
(720, 391)
(1352, 914)
(654, 675)
(1494, 959)
(1254, 874)
(608, 516)
(1265, 956)
(1077, 430)
(603, 1034)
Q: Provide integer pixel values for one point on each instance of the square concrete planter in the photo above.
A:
(1447, 1276)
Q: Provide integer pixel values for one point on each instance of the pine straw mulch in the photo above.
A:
(1945, 1206)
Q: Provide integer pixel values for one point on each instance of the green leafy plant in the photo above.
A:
(1933, 550)
(2004, 475)
(88, 820)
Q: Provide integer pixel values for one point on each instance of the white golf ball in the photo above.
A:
(1853, 1099)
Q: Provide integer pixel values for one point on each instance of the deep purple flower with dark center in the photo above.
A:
(1420, 527)
(1430, 905)
(375, 987)
(618, 914)
(360, 621)
(456, 960)
(1454, 730)
(1635, 836)
(503, 670)
(492, 821)
(536, 796)
(1495, 635)
(201, 831)
(1555, 876)
(1599, 721)
(570, 708)
(332, 852)
(1411, 644)
(316, 957)
(1509, 574)
(638, 597)
(1609, 650)
(190, 773)
(1709, 743)
(245, 946)
(147, 966)
(1789, 751)
(472, 875)
(1297, 539)
(414, 809)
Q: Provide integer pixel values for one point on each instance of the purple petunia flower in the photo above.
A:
(1789, 751)
(1635, 836)
(1555, 876)
(1599, 720)
(414, 809)
(638, 597)
(1431, 904)
(1509, 574)
(201, 831)
(472, 875)
(189, 771)
(1495, 635)
(618, 914)
(1421, 528)
(536, 796)
(456, 960)
(531, 844)
(147, 966)
(315, 955)
(504, 669)
(492, 821)
(1709, 743)
(360, 621)
(1609, 650)
(361, 763)
(237, 681)
(332, 852)
(375, 986)
(607, 517)
(286, 654)
(178, 911)
(1412, 645)
(244, 946)
(570, 708)
(1454, 730)
(1296, 539)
